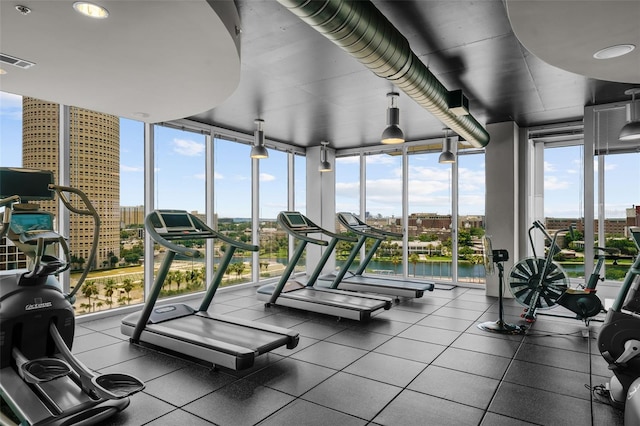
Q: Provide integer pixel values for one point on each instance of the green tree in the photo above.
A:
(109, 289)
(414, 258)
(89, 289)
(127, 286)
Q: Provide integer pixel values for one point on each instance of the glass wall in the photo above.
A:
(119, 281)
(621, 197)
(274, 242)
(471, 224)
(232, 195)
(430, 217)
(383, 204)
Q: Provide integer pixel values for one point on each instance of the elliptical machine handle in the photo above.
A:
(89, 210)
(6, 217)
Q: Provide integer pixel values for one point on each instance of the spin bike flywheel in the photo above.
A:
(525, 280)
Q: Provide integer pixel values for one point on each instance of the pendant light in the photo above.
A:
(392, 134)
(324, 166)
(447, 156)
(258, 150)
(631, 130)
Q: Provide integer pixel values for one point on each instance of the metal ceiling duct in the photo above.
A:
(360, 29)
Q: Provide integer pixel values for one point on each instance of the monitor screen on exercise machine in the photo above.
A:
(29, 184)
(295, 220)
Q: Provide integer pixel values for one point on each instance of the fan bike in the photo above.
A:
(541, 283)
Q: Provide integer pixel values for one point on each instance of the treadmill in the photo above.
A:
(219, 339)
(294, 294)
(359, 281)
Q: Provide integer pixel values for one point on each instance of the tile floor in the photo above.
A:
(424, 362)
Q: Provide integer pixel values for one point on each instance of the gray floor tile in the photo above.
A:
(446, 311)
(383, 326)
(493, 419)
(486, 365)
(107, 356)
(438, 336)
(559, 380)
(359, 339)
(318, 330)
(353, 395)
(540, 406)
(446, 323)
(183, 386)
(402, 316)
(487, 344)
(329, 355)
(291, 376)
(414, 350)
(560, 358)
(386, 368)
(92, 341)
(303, 343)
(456, 386)
(179, 417)
(143, 408)
(240, 403)
(305, 413)
(413, 408)
(148, 367)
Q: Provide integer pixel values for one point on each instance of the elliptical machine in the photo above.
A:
(41, 381)
(619, 342)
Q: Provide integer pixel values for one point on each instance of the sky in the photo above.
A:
(180, 176)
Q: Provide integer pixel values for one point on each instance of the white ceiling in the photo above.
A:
(527, 61)
(566, 34)
(149, 60)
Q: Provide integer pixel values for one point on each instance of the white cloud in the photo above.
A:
(218, 176)
(11, 106)
(266, 177)
(200, 176)
(188, 148)
(552, 183)
(125, 168)
(548, 167)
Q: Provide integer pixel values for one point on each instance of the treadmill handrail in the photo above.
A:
(207, 233)
(373, 232)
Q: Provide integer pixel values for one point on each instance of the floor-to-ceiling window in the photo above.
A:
(274, 242)
(383, 206)
(471, 224)
(430, 217)
(619, 208)
(232, 195)
(180, 185)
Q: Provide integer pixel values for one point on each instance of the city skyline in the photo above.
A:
(180, 168)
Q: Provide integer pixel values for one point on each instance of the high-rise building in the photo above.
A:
(94, 140)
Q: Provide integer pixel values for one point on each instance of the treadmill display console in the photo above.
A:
(175, 221)
(296, 220)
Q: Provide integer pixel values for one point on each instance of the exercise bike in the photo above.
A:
(619, 342)
(41, 381)
(541, 283)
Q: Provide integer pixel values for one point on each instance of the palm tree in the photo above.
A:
(395, 260)
(239, 269)
(413, 258)
(127, 286)
(109, 289)
(179, 276)
(89, 289)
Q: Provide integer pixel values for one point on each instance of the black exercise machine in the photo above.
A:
(40, 379)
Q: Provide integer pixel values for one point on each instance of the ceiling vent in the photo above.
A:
(16, 62)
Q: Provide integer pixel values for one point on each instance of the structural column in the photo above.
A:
(501, 199)
(321, 203)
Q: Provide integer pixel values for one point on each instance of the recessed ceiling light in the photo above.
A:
(614, 51)
(2, 72)
(91, 10)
